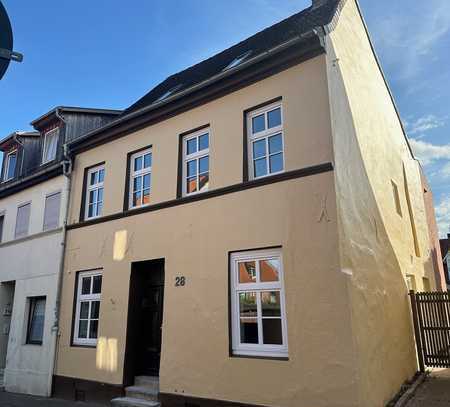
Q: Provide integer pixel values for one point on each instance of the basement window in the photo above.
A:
(258, 317)
(87, 312)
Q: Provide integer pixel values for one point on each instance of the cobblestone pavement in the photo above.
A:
(16, 400)
(434, 391)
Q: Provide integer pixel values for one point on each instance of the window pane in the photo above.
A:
(191, 185)
(274, 118)
(94, 178)
(82, 329)
(137, 199)
(272, 333)
(203, 164)
(270, 303)
(147, 181)
(259, 148)
(37, 319)
(138, 163)
(247, 304)
(260, 167)
(269, 270)
(91, 211)
(258, 124)
(137, 184)
(203, 142)
(100, 195)
(203, 181)
(148, 160)
(249, 330)
(95, 309)
(93, 329)
(97, 285)
(247, 272)
(276, 162)
(92, 196)
(85, 285)
(101, 175)
(84, 310)
(191, 146)
(12, 159)
(99, 209)
(275, 144)
(192, 168)
(146, 197)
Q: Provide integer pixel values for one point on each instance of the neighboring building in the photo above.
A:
(445, 251)
(33, 202)
(195, 264)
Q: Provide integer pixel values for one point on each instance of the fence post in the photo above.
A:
(412, 296)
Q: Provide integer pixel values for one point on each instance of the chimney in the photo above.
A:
(318, 3)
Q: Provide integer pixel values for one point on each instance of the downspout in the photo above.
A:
(67, 172)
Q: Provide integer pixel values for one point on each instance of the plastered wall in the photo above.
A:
(376, 243)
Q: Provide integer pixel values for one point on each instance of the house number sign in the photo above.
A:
(180, 281)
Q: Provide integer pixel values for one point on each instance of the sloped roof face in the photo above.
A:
(259, 43)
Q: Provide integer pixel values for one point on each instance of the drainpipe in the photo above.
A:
(67, 172)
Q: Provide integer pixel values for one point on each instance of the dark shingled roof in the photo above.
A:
(259, 43)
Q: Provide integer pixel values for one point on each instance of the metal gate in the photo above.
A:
(431, 315)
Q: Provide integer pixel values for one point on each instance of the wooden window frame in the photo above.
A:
(250, 138)
(256, 350)
(79, 298)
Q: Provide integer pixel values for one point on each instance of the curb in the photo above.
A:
(407, 395)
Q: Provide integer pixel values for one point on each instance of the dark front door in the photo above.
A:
(145, 316)
(150, 340)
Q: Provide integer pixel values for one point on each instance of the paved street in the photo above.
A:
(434, 392)
(15, 400)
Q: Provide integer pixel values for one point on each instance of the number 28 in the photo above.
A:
(180, 281)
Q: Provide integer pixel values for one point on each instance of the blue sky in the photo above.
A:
(109, 53)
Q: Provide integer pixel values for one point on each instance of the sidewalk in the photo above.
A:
(16, 400)
(434, 391)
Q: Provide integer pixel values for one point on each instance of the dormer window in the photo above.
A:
(11, 163)
(50, 146)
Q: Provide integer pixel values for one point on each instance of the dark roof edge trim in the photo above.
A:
(306, 46)
(74, 109)
(32, 180)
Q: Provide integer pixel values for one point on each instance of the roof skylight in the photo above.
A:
(238, 60)
(169, 92)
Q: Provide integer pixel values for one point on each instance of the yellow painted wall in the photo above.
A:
(195, 239)
(376, 244)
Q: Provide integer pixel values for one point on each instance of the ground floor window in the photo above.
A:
(258, 317)
(36, 320)
(87, 312)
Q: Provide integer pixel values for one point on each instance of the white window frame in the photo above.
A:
(29, 220)
(90, 188)
(86, 298)
(264, 135)
(196, 156)
(8, 156)
(49, 195)
(140, 173)
(51, 133)
(260, 350)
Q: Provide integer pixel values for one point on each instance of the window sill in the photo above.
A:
(33, 344)
(83, 345)
(261, 355)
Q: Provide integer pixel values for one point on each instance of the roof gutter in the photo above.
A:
(222, 75)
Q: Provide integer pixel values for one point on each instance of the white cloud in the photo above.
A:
(429, 153)
(425, 123)
(443, 216)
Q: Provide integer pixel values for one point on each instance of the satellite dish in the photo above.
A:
(6, 43)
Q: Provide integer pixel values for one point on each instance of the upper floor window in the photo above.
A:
(50, 146)
(94, 192)
(140, 178)
(258, 317)
(11, 163)
(265, 141)
(196, 162)
(87, 313)
(22, 220)
(51, 211)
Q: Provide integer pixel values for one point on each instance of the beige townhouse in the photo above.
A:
(246, 233)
